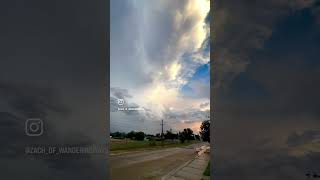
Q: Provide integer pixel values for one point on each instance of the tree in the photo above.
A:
(136, 135)
(188, 134)
(118, 135)
(182, 137)
(131, 135)
(197, 137)
(205, 130)
(139, 136)
(149, 136)
(170, 135)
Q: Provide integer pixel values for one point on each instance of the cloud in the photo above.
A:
(178, 28)
(186, 118)
(233, 43)
(204, 105)
(29, 100)
(200, 89)
(307, 136)
(266, 89)
(176, 115)
(23, 101)
(159, 47)
(266, 161)
(316, 14)
(120, 93)
(52, 70)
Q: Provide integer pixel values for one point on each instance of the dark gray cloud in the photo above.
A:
(53, 66)
(266, 162)
(241, 28)
(32, 101)
(265, 89)
(128, 120)
(27, 101)
(113, 104)
(120, 93)
(308, 136)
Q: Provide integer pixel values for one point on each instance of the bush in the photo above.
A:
(197, 137)
(152, 142)
(131, 135)
(139, 136)
(118, 135)
(182, 138)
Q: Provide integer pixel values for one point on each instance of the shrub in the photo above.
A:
(139, 136)
(152, 142)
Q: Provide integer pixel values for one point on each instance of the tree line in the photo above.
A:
(182, 136)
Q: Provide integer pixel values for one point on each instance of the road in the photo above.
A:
(151, 164)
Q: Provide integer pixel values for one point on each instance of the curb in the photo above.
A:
(177, 169)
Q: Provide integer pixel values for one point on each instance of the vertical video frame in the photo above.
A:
(159, 89)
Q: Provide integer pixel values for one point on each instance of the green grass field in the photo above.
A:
(207, 171)
(135, 145)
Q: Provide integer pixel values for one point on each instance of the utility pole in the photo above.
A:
(162, 129)
(162, 132)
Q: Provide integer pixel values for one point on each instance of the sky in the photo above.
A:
(160, 62)
(264, 80)
(52, 68)
(265, 89)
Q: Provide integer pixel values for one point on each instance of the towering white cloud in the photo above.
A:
(156, 47)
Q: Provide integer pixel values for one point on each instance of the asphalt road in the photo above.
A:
(151, 164)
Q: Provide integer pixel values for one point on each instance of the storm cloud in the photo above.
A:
(265, 93)
(52, 68)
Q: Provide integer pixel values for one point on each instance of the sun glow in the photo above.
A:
(174, 70)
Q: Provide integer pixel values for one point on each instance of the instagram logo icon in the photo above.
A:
(34, 127)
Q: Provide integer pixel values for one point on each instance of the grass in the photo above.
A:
(207, 171)
(116, 145)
